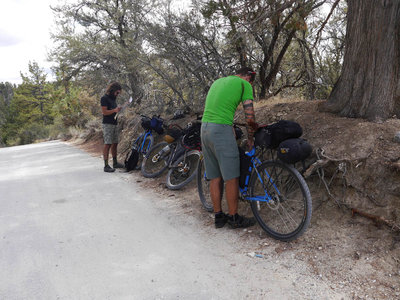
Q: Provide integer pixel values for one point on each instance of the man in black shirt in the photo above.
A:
(109, 109)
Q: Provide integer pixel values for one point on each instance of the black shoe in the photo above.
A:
(220, 220)
(118, 165)
(108, 169)
(238, 221)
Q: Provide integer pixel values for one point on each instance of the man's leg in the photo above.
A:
(106, 151)
(114, 150)
(216, 187)
(232, 195)
(116, 164)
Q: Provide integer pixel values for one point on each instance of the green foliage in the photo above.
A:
(209, 9)
(40, 109)
(9, 128)
(33, 97)
(168, 59)
(33, 132)
(74, 107)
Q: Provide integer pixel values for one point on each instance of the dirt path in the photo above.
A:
(349, 256)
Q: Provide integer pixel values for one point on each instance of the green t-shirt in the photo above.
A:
(224, 97)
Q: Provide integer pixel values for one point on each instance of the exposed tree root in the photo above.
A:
(377, 219)
(318, 167)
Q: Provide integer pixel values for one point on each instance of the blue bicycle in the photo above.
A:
(143, 142)
(278, 195)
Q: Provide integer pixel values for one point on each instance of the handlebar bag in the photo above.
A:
(156, 124)
(146, 123)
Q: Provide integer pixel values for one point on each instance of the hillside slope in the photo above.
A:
(353, 252)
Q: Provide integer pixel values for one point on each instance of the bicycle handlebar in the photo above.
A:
(252, 152)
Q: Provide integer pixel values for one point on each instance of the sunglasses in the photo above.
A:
(252, 75)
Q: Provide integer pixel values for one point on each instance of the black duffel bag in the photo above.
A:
(294, 150)
(191, 139)
(131, 159)
(271, 136)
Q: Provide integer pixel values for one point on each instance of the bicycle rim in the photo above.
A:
(183, 170)
(287, 213)
(203, 187)
(155, 162)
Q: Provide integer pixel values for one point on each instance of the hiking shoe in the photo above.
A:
(220, 219)
(118, 165)
(238, 221)
(108, 169)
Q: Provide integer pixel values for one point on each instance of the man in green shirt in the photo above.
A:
(221, 155)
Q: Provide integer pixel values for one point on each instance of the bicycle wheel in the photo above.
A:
(183, 170)
(287, 214)
(156, 160)
(143, 150)
(203, 187)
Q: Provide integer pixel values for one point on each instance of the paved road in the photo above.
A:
(70, 231)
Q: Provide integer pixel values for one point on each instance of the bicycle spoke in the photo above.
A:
(288, 218)
(287, 212)
(184, 170)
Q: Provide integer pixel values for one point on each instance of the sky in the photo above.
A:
(25, 27)
(24, 36)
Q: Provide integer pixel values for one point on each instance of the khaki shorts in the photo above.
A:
(220, 150)
(110, 134)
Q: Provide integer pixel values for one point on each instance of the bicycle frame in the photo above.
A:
(177, 151)
(143, 136)
(243, 191)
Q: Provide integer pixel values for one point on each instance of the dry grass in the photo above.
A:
(275, 100)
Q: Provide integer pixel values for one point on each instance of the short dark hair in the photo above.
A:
(245, 71)
(113, 87)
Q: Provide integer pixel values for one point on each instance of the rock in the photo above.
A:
(397, 137)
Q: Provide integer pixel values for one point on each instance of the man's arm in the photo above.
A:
(107, 112)
(250, 122)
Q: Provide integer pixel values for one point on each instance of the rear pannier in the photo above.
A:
(271, 136)
(294, 150)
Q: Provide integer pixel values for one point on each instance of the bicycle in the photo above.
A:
(278, 195)
(180, 154)
(145, 140)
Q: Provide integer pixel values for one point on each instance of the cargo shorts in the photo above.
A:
(220, 150)
(110, 134)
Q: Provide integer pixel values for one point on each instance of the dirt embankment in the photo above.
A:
(360, 172)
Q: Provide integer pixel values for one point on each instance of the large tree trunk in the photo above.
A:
(367, 87)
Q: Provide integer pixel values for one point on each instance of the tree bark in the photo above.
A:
(367, 87)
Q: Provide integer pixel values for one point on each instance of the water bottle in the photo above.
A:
(165, 149)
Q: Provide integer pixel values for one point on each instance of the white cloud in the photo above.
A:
(24, 36)
(7, 39)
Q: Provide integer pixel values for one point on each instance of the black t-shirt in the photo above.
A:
(111, 103)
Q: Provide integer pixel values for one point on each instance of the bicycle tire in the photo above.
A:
(153, 166)
(144, 150)
(184, 170)
(288, 214)
(203, 187)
